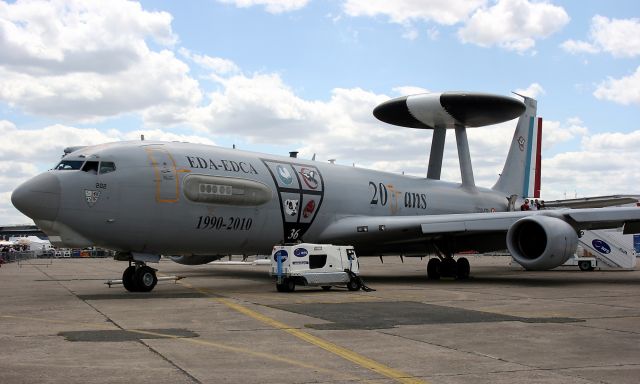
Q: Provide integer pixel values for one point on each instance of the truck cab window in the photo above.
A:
(317, 261)
(107, 166)
(90, 167)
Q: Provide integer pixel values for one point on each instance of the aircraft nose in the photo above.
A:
(38, 197)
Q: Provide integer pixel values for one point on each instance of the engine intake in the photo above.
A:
(541, 242)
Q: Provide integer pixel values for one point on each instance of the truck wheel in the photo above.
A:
(353, 284)
(291, 285)
(326, 287)
(281, 288)
(585, 266)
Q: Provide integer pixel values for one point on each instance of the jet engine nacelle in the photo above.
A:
(541, 242)
(195, 259)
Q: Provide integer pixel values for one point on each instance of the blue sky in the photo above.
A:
(279, 75)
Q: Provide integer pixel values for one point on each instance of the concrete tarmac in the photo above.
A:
(59, 323)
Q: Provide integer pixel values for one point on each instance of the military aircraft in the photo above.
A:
(199, 203)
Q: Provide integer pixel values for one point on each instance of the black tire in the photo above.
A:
(128, 279)
(585, 265)
(464, 269)
(448, 268)
(354, 284)
(291, 285)
(281, 287)
(326, 287)
(145, 279)
(433, 269)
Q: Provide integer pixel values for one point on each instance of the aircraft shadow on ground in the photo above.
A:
(557, 278)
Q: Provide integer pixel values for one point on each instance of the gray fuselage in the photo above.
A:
(179, 198)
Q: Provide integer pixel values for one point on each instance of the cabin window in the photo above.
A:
(90, 167)
(68, 165)
(107, 166)
(317, 261)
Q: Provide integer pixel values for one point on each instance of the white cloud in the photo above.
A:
(45, 145)
(625, 90)
(555, 132)
(410, 33)
(513, 24)
(407, 11)
(578, 46)
(88, 60)
(619, 37)
(272, 6)
(533, 90)
(594, 169)
(409, 90)
(27, 152)
(216, 64)
(433, 33)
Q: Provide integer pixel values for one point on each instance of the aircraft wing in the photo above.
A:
(406, 228)
(594, 202)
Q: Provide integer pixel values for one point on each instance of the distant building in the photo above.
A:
(8, 231)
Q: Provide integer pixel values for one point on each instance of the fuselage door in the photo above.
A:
(164, 173)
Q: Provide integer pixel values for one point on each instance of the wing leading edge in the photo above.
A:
(385, 229)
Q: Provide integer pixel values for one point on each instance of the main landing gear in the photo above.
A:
(447, 266)
(139, 277)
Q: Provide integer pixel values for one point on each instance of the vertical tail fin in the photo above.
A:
(516, 176)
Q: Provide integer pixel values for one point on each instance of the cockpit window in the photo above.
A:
(107, 166)
(91, 167)
(68, 165)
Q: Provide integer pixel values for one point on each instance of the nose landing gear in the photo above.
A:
(139, 278)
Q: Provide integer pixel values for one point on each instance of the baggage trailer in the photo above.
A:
(323, 265)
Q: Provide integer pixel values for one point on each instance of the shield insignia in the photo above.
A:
(91, 196)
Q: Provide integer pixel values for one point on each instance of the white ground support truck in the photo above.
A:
(321, 265)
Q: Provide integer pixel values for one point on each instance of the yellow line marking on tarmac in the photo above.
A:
(241, 351)
(345, 353)
(244, 351)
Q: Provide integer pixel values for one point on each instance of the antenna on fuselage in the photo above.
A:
(449, 110)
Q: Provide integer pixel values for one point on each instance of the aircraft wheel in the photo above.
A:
(326, 287)
(585, 266)
(128, 279)
(448, 267)
(433, 269)
(463, 268)
(146, 278)
(353, 284)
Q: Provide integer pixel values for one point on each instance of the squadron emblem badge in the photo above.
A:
(91, 197)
